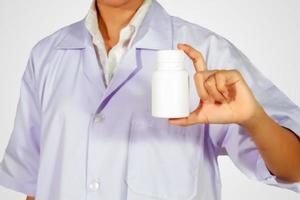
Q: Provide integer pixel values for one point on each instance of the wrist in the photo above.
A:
(256, 120)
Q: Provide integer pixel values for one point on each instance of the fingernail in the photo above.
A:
(226, 94)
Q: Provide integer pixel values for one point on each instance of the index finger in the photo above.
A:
(195, 56)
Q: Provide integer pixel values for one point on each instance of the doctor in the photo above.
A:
(84, 130)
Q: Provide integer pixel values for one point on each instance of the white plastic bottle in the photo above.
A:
(170, 85)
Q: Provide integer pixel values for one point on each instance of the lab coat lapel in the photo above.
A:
(155, 33)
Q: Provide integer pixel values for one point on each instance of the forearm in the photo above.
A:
(279, 147)
(226, 98)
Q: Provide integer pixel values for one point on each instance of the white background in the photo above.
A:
(267, 31)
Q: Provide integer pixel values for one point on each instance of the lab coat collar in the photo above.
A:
(75, 37)
(155, 21)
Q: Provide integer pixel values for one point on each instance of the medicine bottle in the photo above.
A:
(170, 85)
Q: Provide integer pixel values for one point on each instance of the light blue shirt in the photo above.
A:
(75, 139)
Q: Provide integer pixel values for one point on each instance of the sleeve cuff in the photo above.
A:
(11, 183)
(266, 177)
(292, 125)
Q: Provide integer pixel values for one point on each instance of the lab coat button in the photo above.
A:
(94, 185)
(98, 118)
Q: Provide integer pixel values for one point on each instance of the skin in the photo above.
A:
(224, 97)
(114, 15)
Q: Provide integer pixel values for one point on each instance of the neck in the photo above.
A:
(113, 18)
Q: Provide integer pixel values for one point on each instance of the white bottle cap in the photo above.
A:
(174, 56)
(170, 59)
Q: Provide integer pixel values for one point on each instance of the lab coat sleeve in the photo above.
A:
(19, 165)
(233, 140)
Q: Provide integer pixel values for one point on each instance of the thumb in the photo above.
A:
(195, 117)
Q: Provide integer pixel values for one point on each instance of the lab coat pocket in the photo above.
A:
(163, 159)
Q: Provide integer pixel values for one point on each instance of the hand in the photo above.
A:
(224, 95)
